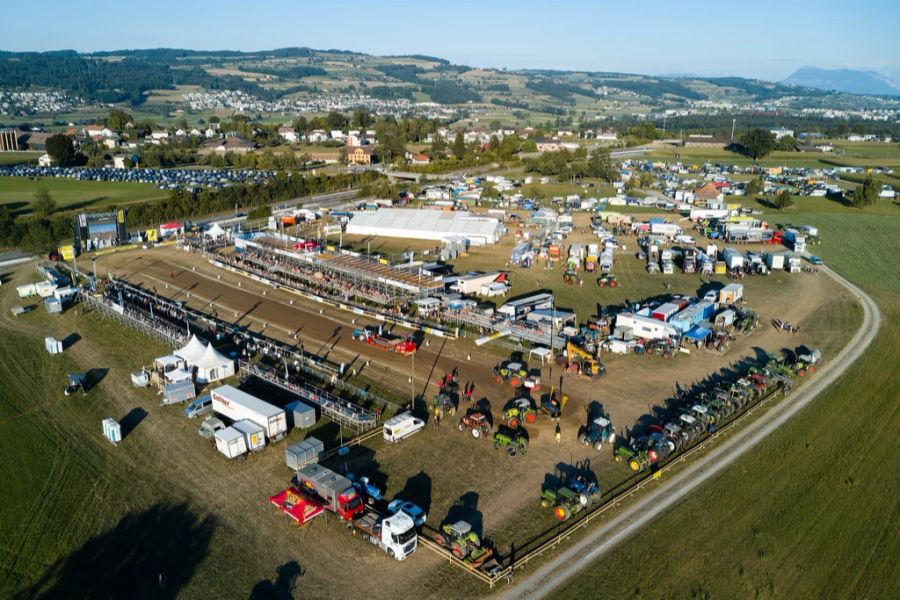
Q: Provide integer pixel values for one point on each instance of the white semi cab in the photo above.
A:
(402, 426)
(396, 534)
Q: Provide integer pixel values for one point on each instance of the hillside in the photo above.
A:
(163, 76)
(845, 80)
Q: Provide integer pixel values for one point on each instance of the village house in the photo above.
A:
(546, 145)
(234, 143)
(359, 155)
(418, 158)
(317, 135)
(288, 134)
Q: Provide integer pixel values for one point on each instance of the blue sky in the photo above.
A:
(762, 38)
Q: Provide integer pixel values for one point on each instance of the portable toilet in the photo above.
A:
(112, 430)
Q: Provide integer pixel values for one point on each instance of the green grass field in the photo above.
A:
(811, 512)
(18, 158)
(18, 192)
(886, 155)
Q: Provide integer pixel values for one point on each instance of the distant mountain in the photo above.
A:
(845, 80)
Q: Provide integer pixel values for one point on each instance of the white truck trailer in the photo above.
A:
(230, 442)
(236, 405)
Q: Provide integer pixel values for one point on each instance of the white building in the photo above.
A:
(780, 132)
(426, 224)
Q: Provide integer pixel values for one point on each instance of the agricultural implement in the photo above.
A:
(376, 337)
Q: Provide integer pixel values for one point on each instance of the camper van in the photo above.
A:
(402, 426)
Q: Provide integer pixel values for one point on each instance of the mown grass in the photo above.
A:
(812, 511)
(18, 192)
(18, 158)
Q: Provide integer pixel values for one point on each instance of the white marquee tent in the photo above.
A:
(213, 366)
(192, 351)
(215, 232)
(426, 224)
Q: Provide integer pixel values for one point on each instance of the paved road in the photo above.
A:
(550, 576)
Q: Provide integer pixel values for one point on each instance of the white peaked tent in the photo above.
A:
(213, 366)
(214, 232)
(192, 351)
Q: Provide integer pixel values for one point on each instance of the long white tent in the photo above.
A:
(426, 224)
(213, 366)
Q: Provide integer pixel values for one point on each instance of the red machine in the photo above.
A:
(375, 337)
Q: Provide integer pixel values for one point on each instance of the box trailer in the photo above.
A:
(254, 435)
(236, 405)
(665, 311)
(734, 259)
(230, 442)
(645, 327)
(775, 261)
(180, 391)
(796, 239)
(307, 452)
(300, 415)
(731, 293)
(45, 289)
(26, 291)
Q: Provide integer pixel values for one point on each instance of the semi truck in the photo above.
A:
(395, 534)
(334, 492)
(236, 405)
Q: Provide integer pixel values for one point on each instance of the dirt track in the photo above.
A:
(627, 392)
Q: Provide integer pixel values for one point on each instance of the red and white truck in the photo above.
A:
(334, 492)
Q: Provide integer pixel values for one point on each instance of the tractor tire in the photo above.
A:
(476, 433)
(801, 373)
(512, 450)
(524, 444)
(598, 446)
(811, 369)
(582, 437)
(583, 500)
(513, 422)
(496, 446)
(514, 381)
(563, 513)
(613, 284)
(462, 426)
(545, 503)
(499, 379)
(457, 550)
(634, 464)
(530, 417)
(440, 540)
(667, 355)
(612, 439)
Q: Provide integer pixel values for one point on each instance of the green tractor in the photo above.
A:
(519, 412)
(570, 499)
(806, 363)
(463, 542)
(515, 441)
(514, 372)
(443, 402)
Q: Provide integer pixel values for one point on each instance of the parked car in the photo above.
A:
(209, 426)
(416, 514)
(198, 407)
(815, 260)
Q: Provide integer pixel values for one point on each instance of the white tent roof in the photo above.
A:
(215, 231)
(211, 359)
(192, 351)
(178, 375)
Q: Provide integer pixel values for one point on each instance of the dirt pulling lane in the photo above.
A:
(550, 576)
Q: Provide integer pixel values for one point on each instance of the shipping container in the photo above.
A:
(254, 435)
(231, 402)
(300, 415)
(230, 442)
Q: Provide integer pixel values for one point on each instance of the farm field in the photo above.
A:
(18, 158)
(797, 507)
(18, 192)
(884, 155)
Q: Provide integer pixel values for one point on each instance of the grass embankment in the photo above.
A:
(811, 512)
(18, 192)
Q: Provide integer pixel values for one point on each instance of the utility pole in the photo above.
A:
(733, 121)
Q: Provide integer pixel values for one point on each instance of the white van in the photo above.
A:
(402, 426)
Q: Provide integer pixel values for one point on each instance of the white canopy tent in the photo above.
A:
(192, 351)
(215, 232)
(177, 375)
(213, 366)
(542, 353)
